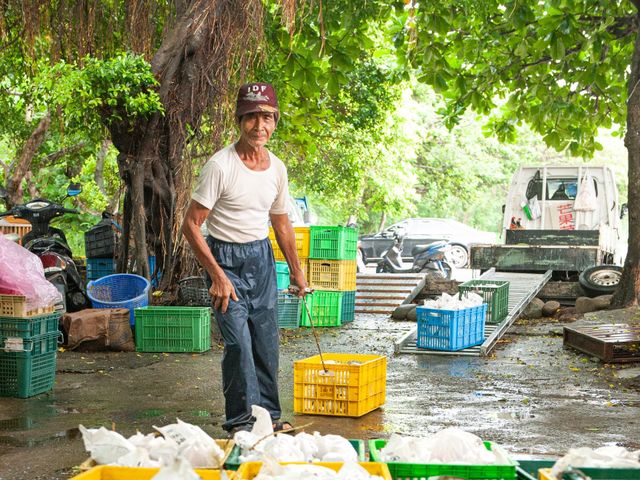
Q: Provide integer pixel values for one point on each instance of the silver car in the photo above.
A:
(423, 231)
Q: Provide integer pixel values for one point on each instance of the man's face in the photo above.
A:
(256, 128)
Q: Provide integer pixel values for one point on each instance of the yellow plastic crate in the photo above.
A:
(107, 472)
(352, 385)
(250, 470)
(16, 306)
(332, 274)
(302, 242)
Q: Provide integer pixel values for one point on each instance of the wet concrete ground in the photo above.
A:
(531, 395)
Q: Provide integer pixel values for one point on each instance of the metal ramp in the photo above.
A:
(523, 287)
(383, 292)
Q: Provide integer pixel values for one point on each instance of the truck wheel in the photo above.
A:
(600, 280)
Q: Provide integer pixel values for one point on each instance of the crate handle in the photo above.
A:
(327, 373)
(7, 348)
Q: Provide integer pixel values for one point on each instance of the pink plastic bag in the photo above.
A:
(21, 273)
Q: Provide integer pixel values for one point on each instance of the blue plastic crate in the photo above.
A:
(282, 275)
(450, 330)
(348, 306)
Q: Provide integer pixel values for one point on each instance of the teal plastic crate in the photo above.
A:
(35, 345)
(24, 375)
(100, 267)
(282, 275)
(333, 243)
(495, 294)
(26, 327)
(233, 460)
(419, 471)
(450, 330)
(173, 329)
(288, 310)
(348, 306)
(325, 308)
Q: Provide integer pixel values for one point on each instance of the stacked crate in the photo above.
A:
(332, 274)
(28, 348)
(100, 248)
(289, 306)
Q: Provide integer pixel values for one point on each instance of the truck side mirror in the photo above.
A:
(624, 209)
(504, 207)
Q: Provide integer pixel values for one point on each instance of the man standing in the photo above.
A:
(240, 189)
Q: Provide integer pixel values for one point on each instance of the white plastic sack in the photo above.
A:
(603, 457)
(454, 302)
(261, 429)
(194, 444)
(448, 446)
(105, 446)
(586, 200)
(350, 471)
(334, 448)
(534, 206)
(180, 469)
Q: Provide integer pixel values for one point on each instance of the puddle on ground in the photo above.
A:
(71, 434)
(517, 415)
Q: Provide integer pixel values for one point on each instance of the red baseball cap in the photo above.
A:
(257, 97)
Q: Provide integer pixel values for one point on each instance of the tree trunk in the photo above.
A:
(23, 164)
(383, 220)
(627, 292)
(194, 65)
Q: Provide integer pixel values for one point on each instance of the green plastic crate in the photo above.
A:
(173, 329)
(24, 375)
(25, 327)
(233, 460)
(528, 470)
(325, 308)
(282, 275)
(288, 310)
(417, 471)
(333, 243)
(495, 294)
(348, 306)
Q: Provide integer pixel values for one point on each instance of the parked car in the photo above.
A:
(423, 231)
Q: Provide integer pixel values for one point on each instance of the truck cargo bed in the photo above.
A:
(534, 258)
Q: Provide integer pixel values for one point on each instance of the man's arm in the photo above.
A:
(221, 288)
(285, 236)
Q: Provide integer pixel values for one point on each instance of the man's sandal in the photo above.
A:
(282, 427)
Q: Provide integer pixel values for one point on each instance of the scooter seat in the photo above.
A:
(418, 249)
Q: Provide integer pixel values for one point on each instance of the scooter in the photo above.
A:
(50, 244)
(429, 259)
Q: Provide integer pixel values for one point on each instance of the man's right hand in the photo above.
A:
(220, 291)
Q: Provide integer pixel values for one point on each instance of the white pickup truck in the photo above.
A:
(561, 218)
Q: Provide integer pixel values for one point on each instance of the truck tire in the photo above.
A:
(600, 280)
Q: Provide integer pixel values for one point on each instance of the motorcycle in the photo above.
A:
(429, 259)
(51, 246)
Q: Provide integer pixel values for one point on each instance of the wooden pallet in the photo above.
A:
(610, 343)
